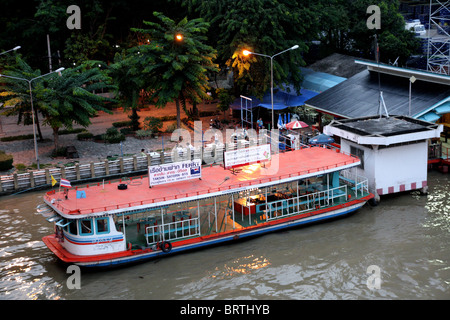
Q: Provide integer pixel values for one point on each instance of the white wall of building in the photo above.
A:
(393, 169)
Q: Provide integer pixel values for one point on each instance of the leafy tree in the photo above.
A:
(70, 98)
(15, 93)
(263, 26)
(62, 100)
(334, 19)
(225, 100)
(394, 41)
(129, 82)
(176, 69)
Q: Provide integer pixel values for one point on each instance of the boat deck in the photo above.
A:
(100, 198)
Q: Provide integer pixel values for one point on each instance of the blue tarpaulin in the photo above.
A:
(281, 100)
(313, 84)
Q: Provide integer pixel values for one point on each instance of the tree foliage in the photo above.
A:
(176, 70)
(63, 100)
(71, 99)
(15, 93)
(263, 26)
(345, 30)
(129, 83)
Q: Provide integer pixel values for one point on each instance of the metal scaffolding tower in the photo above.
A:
(438, 51)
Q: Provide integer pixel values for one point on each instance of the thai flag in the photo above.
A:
(65, 183)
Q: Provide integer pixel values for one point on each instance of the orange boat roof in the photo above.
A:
(101, 199)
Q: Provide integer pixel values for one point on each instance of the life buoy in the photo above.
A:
(166, 246)
(122, 186)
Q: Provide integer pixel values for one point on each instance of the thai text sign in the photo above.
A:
(173, 172)
(245, 156)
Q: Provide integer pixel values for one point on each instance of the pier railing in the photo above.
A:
(107, 169)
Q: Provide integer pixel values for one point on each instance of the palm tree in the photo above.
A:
(176, 60)
(70, 98)
(61, 99)
(16, 93)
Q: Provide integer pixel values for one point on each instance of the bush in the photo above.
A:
(143, 133)
(171, 127)
(85, 136)
(15, 138)
(121, 124)
(60, 152)
(126, 131)
(112, 131)
(20, 167)
(113, 136)
(6, 161)
(70, 131)
(114, 139)
(153, 124)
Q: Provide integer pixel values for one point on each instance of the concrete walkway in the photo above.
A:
(24, 153)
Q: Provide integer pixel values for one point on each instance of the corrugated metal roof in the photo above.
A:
(358, 96)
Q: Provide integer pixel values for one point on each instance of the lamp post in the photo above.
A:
(411, 81)
(246, 53)
(13, 49)
(32, 108)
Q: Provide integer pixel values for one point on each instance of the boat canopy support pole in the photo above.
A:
(249, 208)
(232, 209)
(124, 231)
(267, 208)
(162, 225)
(198, 215)
(215, 211)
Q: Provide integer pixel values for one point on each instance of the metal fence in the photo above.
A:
(107, 169)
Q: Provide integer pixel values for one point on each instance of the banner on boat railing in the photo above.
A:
(173, 172)
(241, 157)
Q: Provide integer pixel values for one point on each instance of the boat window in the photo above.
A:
(102, 225)
(72, 228)
(86, 227)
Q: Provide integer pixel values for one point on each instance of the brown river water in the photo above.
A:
(405, 239)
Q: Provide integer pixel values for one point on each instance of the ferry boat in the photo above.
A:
(117, 223)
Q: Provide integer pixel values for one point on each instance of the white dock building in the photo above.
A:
(393, 150)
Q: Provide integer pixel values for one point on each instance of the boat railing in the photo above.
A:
(172, 231)
(304, 203)
(361, 188)
(60, 205)
(359, 184)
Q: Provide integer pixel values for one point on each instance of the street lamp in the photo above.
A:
(32, 108)
(179, 37)
(411, 81)
(13, 49)
(246, 53)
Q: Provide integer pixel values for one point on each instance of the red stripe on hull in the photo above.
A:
(53, 244)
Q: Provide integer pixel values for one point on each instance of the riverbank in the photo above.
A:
(89, 151)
